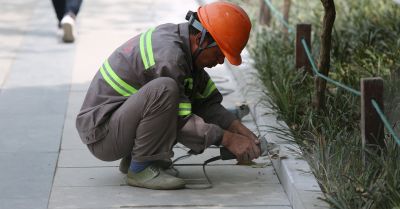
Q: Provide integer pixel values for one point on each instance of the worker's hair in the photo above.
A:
(194, 31)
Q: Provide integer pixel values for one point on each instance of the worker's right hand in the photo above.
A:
(244, 148)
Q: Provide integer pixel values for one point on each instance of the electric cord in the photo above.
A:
(207, 185)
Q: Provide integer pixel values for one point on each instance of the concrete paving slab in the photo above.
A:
(110, 176)
(33, 101)
(37, 133)
(40, 44)
(11, 35)
(22, 203)
(127, 197)
(81, 158)
(81, 189)
(89, 177)
(75, 103)
(24, 181)
(71, 139)
(226, 195)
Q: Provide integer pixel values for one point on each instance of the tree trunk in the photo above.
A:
(285, 11)
(324, 55)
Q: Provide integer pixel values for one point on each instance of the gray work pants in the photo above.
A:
(145, 125)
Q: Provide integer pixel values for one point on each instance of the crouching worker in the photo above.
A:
(153, 92)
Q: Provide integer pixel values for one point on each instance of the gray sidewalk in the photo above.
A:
(45, 82)
(35, 80)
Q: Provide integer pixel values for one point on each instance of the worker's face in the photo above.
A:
(210, 57)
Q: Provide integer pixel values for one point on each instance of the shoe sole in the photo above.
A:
(68, 33)
(134, 183)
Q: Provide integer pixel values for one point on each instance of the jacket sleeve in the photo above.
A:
(208, 104)
(198, 135)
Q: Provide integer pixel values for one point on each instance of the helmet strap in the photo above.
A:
(196, 24)
(200, 48)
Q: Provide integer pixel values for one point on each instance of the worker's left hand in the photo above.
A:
(237, 127)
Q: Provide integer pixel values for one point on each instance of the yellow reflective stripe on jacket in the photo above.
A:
(185, 109)
(210, 88)
(146, 49)
(112, 84)
(149, 47)
(189, 83)
(143, 52)
(126, 86)
(115, 81)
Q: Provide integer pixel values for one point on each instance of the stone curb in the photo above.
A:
(294, 173)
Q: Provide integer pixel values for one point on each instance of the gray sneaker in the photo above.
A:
(126, 162)
(154, 177)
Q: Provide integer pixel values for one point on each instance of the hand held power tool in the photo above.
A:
(225, 154)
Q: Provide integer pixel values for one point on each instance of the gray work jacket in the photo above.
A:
(163, 51)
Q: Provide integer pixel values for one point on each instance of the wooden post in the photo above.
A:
(303, 31)
(372, 129)
(265, 14)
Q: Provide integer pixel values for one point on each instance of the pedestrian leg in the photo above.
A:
(59, 7)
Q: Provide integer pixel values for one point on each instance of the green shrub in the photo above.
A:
(365, 43)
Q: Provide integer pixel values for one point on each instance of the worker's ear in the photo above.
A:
(197, 38)
(194, 42)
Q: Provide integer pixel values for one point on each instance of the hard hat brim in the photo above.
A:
(234, 60)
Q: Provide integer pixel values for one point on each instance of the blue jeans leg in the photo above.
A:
(73, 6)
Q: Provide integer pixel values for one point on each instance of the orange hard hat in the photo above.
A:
(229, 26)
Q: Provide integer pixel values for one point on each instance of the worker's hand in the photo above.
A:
(244, 148)
(237, 127)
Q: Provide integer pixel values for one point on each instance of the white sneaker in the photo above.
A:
(68, 24)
